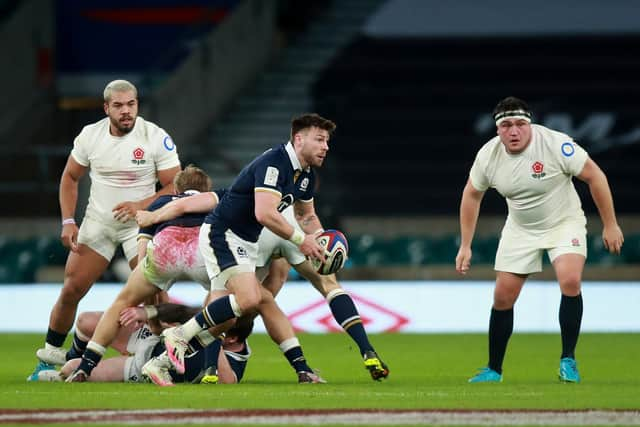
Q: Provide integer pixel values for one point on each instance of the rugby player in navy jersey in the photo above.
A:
(280, 177)
(275, 258)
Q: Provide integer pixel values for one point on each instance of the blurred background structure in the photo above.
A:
(410, 83)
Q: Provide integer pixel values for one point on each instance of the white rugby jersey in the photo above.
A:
(536, 182)
(122, 168)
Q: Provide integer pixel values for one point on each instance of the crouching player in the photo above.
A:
(272, 270)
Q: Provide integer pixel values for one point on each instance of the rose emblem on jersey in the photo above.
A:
(538, 170)
(138, 156)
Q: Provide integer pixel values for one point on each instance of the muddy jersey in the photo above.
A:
(277, 171)
(122, 168)
(536, 183)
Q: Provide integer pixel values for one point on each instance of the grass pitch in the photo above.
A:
(427, 371)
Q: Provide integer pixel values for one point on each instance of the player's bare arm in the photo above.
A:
(469, 210)
(266, 212)
(71, 175)
(203, 202)
(598, 184)
(125, 211)
(305, 213)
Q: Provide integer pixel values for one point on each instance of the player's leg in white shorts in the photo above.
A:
(225, 255)
(519, 252)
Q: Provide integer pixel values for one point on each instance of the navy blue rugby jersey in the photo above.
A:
(186, 220)
(272, 171)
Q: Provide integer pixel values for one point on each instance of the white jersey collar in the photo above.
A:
(293, 157)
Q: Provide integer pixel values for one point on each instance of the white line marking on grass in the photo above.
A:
(332, 416)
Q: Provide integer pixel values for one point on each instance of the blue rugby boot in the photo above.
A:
(486, 375)
(568, 372)
(41, 366)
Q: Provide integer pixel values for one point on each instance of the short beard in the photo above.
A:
(124, 130)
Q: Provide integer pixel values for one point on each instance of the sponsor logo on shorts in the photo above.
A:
(538, 170)
(575, 242)
(242, 252)
(138, 157)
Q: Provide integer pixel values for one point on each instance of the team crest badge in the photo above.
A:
(242, 252)
(575, 242)
(138, 157)
(304, 184)
(538, 170)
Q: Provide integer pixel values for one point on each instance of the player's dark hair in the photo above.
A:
(242, 329)
(510, 103)
(192, 178)
(310, 120)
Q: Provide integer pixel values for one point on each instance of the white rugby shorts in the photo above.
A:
(104, 238)
(520, 251)
(232, 255)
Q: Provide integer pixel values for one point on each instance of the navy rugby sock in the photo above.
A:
(91, 357)
(500, 329)
(570, 316)
(54, 338)
(217, 312)
(293, 352)
(346, 314)
(90, 360)
(78, 347)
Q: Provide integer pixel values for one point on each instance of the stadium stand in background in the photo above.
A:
(410, 89)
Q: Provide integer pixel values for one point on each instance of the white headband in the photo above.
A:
(513, 114)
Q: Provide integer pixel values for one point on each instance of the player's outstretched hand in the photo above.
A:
(133, 315)
(613, 239)
(463, 260)
(125, 211)
(311, 248)
(69, 236)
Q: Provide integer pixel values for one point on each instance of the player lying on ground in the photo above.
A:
(224, 360)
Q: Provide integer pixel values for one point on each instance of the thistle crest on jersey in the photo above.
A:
(336, 249)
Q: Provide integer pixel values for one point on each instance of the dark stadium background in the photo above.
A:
(410, 83)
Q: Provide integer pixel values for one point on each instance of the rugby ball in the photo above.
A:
(336, 249)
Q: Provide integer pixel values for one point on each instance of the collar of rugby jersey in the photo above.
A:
(293, 158)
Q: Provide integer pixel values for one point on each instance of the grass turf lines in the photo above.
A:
(427, 372)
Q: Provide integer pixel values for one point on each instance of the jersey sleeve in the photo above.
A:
(572, 157)
(166, 151)
(269, 176)
(150, 231)
(478, 175)
(79, 150)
